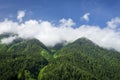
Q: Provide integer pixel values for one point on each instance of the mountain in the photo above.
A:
(30, 59)
(22, 59)
(83, 60)
(6, 35)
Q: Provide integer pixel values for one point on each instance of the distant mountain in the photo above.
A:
(80, 60)
(5, 35)
(58, 45)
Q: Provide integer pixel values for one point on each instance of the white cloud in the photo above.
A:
(20, 15)
(86, 16)
(114, 23)
(67, 23)
(8, 40)
(8, 26)
(50, 34)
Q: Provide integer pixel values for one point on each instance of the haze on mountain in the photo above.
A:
(51, 34)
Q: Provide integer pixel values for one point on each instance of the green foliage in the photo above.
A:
(102, 63)
(46, 54)
(21, 60)
(64, 71)
(80, 60)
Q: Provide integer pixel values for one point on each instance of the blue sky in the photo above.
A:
(97, 20)
(100, 11)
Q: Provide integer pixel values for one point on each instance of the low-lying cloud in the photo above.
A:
(50, 34)
(8, 40)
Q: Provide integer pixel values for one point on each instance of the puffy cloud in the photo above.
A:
(50, 34)
(86, 16)
(67, 23)
(114, 23)
(8, 26)
(20, 15)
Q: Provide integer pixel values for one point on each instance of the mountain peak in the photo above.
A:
(84, 41)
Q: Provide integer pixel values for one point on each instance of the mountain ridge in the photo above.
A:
(79, 60)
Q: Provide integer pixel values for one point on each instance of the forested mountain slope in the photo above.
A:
(80, 60)
(22, 59)
(102, 63)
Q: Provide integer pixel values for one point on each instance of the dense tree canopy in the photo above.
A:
(80, 60)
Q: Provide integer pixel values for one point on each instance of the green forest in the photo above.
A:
(30, 59)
